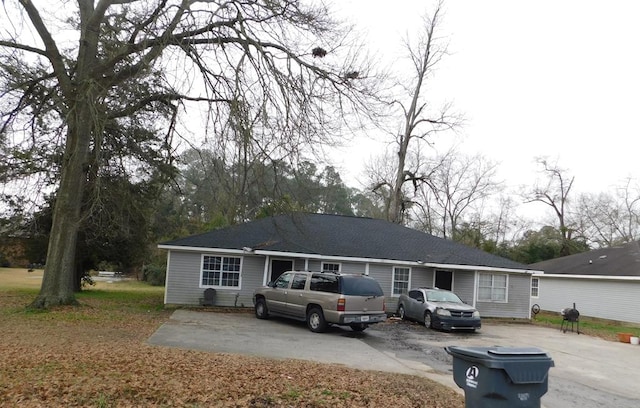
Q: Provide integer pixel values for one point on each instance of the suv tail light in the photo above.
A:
(384, 305)
(341, 304)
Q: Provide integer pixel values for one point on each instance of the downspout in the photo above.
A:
(265, 275)
(166, 277)
(475, 288)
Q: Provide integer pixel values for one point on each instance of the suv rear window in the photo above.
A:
(324, 283)
(360, 286)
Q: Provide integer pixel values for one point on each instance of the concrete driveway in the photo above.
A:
(588, 373)
(242, 333)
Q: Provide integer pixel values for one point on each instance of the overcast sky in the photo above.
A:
(549, 78)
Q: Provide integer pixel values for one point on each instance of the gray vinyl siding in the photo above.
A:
(518, 299)
(600, 298)
(183, 281)
(184, 268)
(183, 273)
(382, 273)
(353, 267)
(421, 277)
(345, 267)
(298, 265)
(251, 278)
(463, 285)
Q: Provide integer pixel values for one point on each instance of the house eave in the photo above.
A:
(592, 277)
(249, 251)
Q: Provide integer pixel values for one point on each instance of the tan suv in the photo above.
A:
(322, 298)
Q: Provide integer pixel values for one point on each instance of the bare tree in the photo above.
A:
(553, 191)
(505, 224)
(610, 219)
(420, 120)
(457, 187)
(80, 79)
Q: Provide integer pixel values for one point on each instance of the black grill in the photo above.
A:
(457, 313)
(570, 315)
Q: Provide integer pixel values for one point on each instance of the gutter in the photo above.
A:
(417, 263)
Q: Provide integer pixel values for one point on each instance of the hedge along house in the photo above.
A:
(236, 260)
(603, 283)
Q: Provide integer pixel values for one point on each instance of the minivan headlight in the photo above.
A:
(443, 312)
(476, 314)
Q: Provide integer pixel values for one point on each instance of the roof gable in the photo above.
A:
(344, 236)
(621, 260)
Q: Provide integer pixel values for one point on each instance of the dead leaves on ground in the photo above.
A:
(99, 358)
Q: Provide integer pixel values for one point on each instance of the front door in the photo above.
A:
(444, 280)
(278, 267)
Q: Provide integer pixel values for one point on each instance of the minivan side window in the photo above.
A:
(360, 286)
(299, 279)
(323, 282)
(283, 281)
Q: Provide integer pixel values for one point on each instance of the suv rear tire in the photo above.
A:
(315, 320)
(261, 309)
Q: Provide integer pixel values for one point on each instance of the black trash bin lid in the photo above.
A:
(523, 365)
(496, 352)
(516, 351)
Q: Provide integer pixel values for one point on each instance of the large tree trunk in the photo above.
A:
(58, 282)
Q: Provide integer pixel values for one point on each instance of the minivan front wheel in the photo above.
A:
(315, 320)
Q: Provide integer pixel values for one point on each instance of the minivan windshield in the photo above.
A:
(360, 286)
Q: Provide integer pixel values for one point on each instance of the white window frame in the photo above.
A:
(331, 263)
(535, 287)
(394, 280)
(239, 272)
(493, 287)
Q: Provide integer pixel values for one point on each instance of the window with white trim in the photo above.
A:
(330, 267)
(400, 282)
(492, 287)
(535, 287)
(221, 271)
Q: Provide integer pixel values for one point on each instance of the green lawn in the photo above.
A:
(605, 329)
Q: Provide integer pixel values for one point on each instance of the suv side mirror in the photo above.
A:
(271, 284)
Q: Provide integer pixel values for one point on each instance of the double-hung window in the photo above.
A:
(535, 287)
(400, 280)
(330, 267)
(221, 271)
(492, 287)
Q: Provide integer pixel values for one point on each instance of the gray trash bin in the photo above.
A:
(498, 377)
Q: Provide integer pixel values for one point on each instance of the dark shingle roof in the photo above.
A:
(335, 235)
(621, 260)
